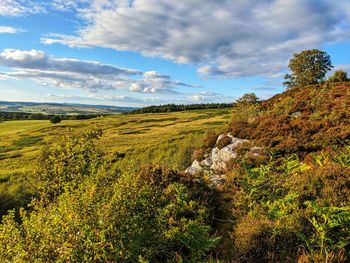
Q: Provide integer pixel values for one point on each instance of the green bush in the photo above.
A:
(55, 119)
(89, 212)
(287, 203)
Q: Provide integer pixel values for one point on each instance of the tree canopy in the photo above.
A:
(248, 98)
(308, 67)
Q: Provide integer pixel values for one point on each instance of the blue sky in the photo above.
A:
(143, 52)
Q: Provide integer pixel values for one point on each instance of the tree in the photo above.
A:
(248, 98)
(338, 76)
(308, 67)
(55, 119)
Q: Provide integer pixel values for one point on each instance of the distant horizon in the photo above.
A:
(141, 53)
(61, 103)
(106, 105)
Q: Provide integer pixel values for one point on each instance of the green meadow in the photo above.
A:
(163, 138)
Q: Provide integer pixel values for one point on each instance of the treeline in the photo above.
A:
(7, 116)
(180, 107)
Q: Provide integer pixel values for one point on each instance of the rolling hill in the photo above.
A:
(61, 108)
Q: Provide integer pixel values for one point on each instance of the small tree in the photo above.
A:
(248, 98)
(55, 119)
(338, 76)
(308, 67)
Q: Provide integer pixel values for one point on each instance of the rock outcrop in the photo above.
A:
(215, 164)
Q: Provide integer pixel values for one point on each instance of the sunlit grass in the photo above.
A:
(144, 138)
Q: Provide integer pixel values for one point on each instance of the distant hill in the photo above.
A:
(61, 108)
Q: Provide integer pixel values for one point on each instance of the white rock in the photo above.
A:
(217, 179)
(226, 154)
(237, 141)
(207, 162)
(194, 169)
(218, 159)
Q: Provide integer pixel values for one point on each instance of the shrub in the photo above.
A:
(287, 203)
(224, 141)
(304, 119)
(55, 119)
(210, 140)
(90, 213)
(338, 76)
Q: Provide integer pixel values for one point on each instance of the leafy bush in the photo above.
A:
(55, 119)
(286, 204)
(338, 76)
(89, 212)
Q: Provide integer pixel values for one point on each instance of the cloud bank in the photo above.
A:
(81, 74)
(222, 38)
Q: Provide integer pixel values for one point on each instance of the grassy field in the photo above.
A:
(164, 138)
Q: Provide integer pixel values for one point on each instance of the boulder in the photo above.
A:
(194, 169)
(220, 158)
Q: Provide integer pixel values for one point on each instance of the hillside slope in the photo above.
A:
(303, 119)
(291, 204)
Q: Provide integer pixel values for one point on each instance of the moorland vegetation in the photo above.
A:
(289, 204)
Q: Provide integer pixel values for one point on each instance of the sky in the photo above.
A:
(151, 52)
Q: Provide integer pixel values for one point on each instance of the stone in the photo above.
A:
(217, 179)
(216, 162)
(256, 151)
(221, 157)
(194, 169)
(207, 162)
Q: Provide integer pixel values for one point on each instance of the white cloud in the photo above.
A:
(68, 5)
(223, 38)
(10, 30)
(203, 97)
(39, 60)
(14, 8)
(209, 97)
(81, 74)
(21, 7)
(103, 98)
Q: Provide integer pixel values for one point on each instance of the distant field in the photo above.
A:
(60, 109)
(166, 138)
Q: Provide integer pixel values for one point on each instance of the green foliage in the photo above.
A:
(89, 212)
(27, 141)
(331, 229)
(68, 164)
(181, 107)
(248, 98)
(308, 67)
(292, 203)
(55, 119)
(338, 76)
